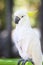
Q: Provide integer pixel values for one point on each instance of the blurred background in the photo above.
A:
(7, 9)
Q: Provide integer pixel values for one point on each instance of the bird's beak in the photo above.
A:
(17, 19)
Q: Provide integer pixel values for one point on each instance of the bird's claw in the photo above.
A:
(23, 62)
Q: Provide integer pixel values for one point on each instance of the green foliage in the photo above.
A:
(31, 5)
(2, 14)
(11, 62)
(34, 1)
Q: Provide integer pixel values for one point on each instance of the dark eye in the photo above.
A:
(22, 16)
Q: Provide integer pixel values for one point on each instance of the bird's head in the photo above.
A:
(19, 14)
(21, 17)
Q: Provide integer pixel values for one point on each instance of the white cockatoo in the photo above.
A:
(25, 39)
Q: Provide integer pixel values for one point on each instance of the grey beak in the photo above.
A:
(17, 19)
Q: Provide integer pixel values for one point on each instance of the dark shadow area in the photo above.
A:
(41, 21)
(6, 44)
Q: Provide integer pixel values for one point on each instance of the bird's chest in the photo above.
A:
(19, 34)
(23, 38)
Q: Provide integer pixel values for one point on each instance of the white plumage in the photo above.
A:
(26, 40)
(38, 32)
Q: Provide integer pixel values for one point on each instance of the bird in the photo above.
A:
(26, 40)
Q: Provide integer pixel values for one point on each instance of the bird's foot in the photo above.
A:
(23, 62)
(20, 62)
